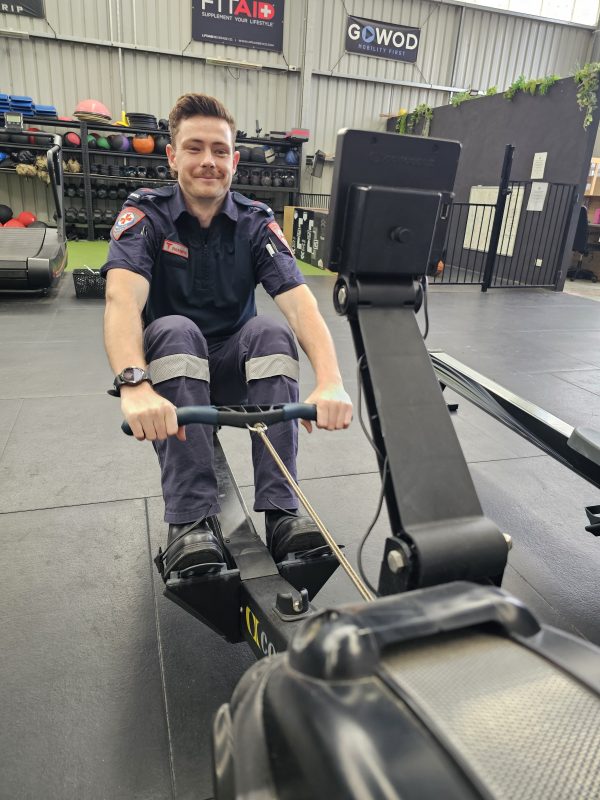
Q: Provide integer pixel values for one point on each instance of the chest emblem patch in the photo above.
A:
(274, 227)
(128, 217)
(176, 248)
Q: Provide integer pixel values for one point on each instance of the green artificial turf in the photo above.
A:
(93, 254)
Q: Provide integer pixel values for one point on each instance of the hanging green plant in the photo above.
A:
(517, 86)
(425, 113)
(546, 83)
(586, 79)
(401, 122)
(460, 97)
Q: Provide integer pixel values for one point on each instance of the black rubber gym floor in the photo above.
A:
(107, 690)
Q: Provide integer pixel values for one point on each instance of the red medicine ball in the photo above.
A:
(13, 223)
(26, 217)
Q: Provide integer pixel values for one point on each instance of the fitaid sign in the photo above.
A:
(242, 23)
(382, 39)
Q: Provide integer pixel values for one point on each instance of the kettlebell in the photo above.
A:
(102, 191)
(70, 191)
(82, 216)
(97, 216)
(109, 216)
(112, 193)
(243, 175)
(80, 191)
(71, 215)
(93, 192)
(141, 172)
(160, 144)
(266, 178)
(277, 179)
(122, 191)
(255, 177)
(162, 172)
(289, 181)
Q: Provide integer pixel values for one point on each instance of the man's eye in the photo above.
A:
(222, 152)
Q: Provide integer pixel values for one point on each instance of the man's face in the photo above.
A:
(203, 157)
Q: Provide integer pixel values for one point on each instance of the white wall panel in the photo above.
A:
(60, 73)
(153, 83)
(494, 49)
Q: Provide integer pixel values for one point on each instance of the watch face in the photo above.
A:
(132, 374)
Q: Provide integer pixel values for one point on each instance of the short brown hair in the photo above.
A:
(198, 105)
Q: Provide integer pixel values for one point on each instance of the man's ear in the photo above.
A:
(171, 157)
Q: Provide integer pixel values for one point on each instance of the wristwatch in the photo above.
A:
(130, 376)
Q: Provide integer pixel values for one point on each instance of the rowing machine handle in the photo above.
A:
(211, 415)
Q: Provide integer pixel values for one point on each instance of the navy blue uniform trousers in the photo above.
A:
(257, 365)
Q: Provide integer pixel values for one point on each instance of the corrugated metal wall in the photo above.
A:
(74, 54)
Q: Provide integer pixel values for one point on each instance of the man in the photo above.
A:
(181, 329)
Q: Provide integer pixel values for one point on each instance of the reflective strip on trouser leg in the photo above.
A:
(272, 366)
(178, 365)
(177, 354)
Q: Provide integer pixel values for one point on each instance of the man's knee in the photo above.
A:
(175, 348)
(271, 350)
(174, 334)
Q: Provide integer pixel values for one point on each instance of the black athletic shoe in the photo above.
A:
(192, 547)
(287, 532)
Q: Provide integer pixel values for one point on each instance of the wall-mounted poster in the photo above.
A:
(242, 23)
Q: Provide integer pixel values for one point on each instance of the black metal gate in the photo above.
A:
(509, 242)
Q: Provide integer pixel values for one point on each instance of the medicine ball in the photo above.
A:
(13, 223)
(72, 139)
(71, 215)
(5, 213)
(143, 144)
(160, 144)
(163, 124)
(102, 143)
(19, 138)
(91, 140)
(258, 154)
(34, 139)
(27, 218)
(38, 224)
(244, 153)
(119, 142)
(292, 158)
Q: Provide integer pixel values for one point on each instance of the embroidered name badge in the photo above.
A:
(273, 226)
(176, 248)
(128, 217)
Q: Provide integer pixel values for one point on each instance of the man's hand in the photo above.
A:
(149, 415)
(334, 407)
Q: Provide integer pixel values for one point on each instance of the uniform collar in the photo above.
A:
(228, 208)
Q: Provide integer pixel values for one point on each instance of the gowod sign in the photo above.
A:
(28, 8)
(242, 23)
(382, 39)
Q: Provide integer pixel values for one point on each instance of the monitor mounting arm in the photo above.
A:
(439, 532)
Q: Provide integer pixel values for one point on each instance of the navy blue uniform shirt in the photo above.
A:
(206, 274)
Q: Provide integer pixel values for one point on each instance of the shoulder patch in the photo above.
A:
(128, 217)
(274, 227)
